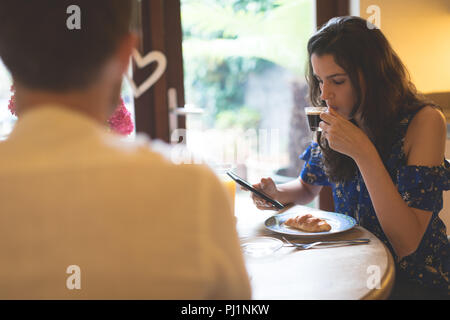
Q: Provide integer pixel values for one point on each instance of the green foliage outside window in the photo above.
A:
(225, 41)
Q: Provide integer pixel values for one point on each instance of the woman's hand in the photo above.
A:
(342, 135)
(267, 186)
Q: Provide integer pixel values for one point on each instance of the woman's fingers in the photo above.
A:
(256, 199)
(266, 184)
(263, 207)
(261, 203)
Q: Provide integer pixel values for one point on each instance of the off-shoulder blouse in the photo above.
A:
(420, 186)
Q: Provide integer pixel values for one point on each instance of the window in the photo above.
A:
(161, 30)
(244, 67)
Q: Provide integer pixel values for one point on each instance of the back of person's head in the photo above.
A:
(45, 48)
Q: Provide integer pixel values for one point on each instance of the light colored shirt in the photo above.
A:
(134, 224)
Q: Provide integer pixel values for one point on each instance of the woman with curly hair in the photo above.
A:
(381, 151)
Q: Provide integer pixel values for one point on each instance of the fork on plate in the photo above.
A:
(305, 246)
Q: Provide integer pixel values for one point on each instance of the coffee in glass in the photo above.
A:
(313, 115)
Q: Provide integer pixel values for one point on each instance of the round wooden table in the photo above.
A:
(364, 271)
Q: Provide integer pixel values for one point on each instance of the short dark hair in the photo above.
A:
(41, 52)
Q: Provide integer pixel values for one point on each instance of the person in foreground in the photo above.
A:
(381, 151)
(83, 214)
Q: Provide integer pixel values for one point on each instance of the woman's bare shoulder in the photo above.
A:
(429, 112)
(427, 129)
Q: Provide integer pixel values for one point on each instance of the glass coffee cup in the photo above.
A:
(313, 116)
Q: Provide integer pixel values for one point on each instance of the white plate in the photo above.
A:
(338, 222)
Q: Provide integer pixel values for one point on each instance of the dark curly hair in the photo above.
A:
(361, 49)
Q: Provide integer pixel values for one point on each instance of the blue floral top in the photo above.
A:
(420, 186)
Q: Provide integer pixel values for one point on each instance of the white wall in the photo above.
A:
(419, 31)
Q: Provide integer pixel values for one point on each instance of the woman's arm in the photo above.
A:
(404, 226)
(296, 191)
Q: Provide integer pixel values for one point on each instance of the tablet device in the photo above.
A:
(249, 187)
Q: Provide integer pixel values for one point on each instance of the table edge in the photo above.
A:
(386, 283)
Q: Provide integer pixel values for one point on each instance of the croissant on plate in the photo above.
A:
(308, 223)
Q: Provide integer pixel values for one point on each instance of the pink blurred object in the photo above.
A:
(119, 122)
(12, 102)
